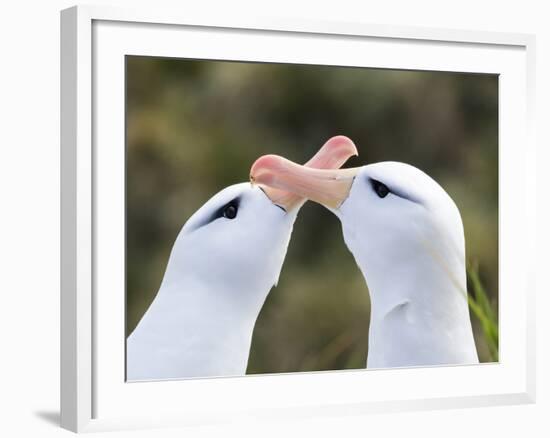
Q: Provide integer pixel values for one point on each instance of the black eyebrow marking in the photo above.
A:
(218, 213)
(397, 192)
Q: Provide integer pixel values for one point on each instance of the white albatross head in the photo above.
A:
(407, 238)
(232, 248)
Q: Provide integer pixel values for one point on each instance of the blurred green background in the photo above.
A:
(195, 127)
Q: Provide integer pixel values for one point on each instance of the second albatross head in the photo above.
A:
(406, 235)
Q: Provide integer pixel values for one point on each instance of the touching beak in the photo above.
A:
(329, 187)
(281, 179)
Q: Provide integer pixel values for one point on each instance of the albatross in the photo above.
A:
(406, 235)
(223, 263)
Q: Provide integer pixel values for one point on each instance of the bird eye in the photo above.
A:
(380, 188)
(230, 211)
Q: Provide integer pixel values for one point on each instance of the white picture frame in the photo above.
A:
(94, 41)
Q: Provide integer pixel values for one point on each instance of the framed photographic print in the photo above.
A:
(265, 218)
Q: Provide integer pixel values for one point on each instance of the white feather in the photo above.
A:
(217, 279)
(409, 246)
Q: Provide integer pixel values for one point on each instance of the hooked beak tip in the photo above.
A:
(263, 169)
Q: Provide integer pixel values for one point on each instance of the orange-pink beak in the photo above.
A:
(287, 183)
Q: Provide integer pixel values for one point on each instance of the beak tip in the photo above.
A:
(343, 147)
(264, 167)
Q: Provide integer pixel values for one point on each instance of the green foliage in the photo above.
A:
(483, 310)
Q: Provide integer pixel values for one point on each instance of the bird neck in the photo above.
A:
(419, 311)
(197, 336)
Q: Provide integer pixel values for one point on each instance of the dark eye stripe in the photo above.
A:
(219, 213)
(379, 188)
(226, 211)
(382, 190)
